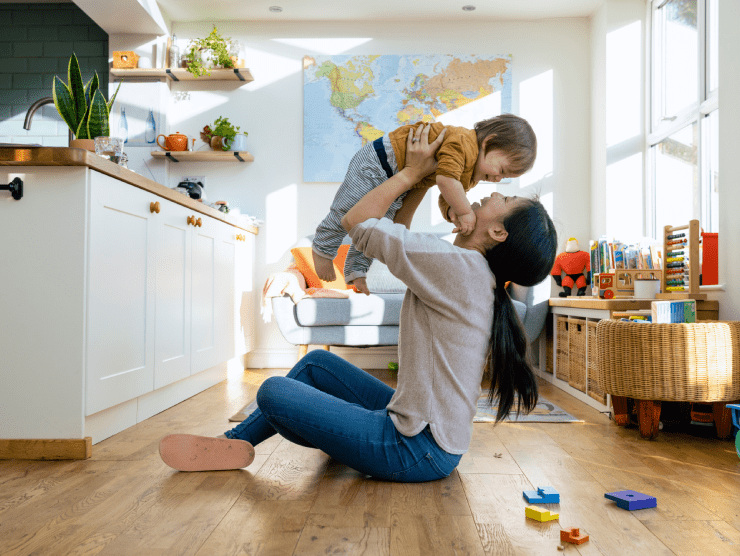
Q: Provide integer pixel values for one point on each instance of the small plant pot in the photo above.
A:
(86, 144)
(217, 143)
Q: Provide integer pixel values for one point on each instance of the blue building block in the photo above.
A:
(735, 416)
(631, 500)
(543, 495)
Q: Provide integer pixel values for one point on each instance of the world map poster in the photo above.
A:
(350, 100)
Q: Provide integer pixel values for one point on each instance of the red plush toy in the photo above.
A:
(574, 263)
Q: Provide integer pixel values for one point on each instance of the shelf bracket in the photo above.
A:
(239, 158)
(240, 76)
(16, 188)
(168, 154)
(171, 75)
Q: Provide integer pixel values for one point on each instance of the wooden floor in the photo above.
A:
(292, 500)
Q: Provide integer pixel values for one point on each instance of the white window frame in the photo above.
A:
(668, 125)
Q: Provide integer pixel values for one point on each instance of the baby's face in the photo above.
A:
(492, 167)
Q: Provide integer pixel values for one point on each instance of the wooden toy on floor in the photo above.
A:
(573, 536)
(543, 495)
(540, 514)
(631, 500)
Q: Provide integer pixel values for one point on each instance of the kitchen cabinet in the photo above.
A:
(120, 295)
(168, 276)
(119, 301)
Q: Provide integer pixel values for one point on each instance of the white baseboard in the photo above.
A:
(285, 358)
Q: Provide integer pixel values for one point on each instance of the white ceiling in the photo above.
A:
(372, 10)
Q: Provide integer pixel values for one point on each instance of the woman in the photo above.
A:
(457, 321)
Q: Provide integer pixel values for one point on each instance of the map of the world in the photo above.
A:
(350, 100)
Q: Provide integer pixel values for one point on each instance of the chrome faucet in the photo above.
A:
(32, 110)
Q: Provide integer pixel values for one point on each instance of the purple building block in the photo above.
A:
(631, 500)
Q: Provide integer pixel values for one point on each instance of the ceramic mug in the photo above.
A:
(144, 62)
(646, 289)
(175, 142)
(239, 143)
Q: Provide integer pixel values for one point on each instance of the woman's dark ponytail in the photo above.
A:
(525, 258)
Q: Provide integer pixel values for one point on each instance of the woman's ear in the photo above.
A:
(497, 232)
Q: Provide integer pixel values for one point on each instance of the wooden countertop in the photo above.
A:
(61, 156)
(590, 302)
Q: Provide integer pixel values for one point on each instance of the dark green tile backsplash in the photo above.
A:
(36, 41)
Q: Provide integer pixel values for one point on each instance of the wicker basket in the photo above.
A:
(548, 342)
(594, 390)
(561, 370)
(697, 362)
(577, 353)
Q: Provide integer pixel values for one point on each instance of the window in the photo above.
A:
(683, 170)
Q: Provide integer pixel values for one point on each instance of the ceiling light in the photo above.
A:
(468, 8)
(276, 9)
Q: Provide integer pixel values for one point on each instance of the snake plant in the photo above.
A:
(82, 107)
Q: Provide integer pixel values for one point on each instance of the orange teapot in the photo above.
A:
(175, 142)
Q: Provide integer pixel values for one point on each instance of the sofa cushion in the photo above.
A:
(380, 279)
(360, 310)
(357, 310)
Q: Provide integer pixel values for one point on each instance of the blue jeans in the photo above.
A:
(325, 402)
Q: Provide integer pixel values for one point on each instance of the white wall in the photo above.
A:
(551, 55)
(729, 162)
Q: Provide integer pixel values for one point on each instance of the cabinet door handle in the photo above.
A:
(191, 220)
(199, 223)
(154, 207)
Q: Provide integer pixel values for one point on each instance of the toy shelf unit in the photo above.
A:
(681, 262)
(620, 283)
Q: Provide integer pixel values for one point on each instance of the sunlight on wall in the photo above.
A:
(269, 67)
(186, 107)
(281, 222)
(623, 83)
(624, 198)
(324, 45)
(481, 109)
(536, 106)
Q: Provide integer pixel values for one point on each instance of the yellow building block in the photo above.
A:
(540, 514)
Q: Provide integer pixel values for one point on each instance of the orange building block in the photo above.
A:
(573, 536)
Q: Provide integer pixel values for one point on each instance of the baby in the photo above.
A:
(497, 148)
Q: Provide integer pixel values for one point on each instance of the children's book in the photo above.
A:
(673, 311)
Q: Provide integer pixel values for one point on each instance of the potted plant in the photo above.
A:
(221, 135)
(212, 51)
(82, 106)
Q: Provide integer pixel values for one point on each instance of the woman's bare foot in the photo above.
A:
(324, 268)
(189, 452)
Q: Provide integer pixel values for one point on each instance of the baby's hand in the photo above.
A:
(361, 285)
(453, 218)
(466, 223)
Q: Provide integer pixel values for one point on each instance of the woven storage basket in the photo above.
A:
(697, 362)
(577, 353)
(594, 390)
(561, 367)
(548, 342)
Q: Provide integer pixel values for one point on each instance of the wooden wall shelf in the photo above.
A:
(181, 74)
(205, 156)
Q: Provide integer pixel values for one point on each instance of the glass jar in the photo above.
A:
(236, 53)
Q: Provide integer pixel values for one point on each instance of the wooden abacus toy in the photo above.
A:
(680, 279)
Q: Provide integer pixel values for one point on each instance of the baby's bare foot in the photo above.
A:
(324, 268)
(361, 285)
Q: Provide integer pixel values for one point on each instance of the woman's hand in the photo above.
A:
(420, 152)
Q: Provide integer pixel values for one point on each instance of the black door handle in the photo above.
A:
(15, 187)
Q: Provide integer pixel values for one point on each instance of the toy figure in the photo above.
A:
(574, 263)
